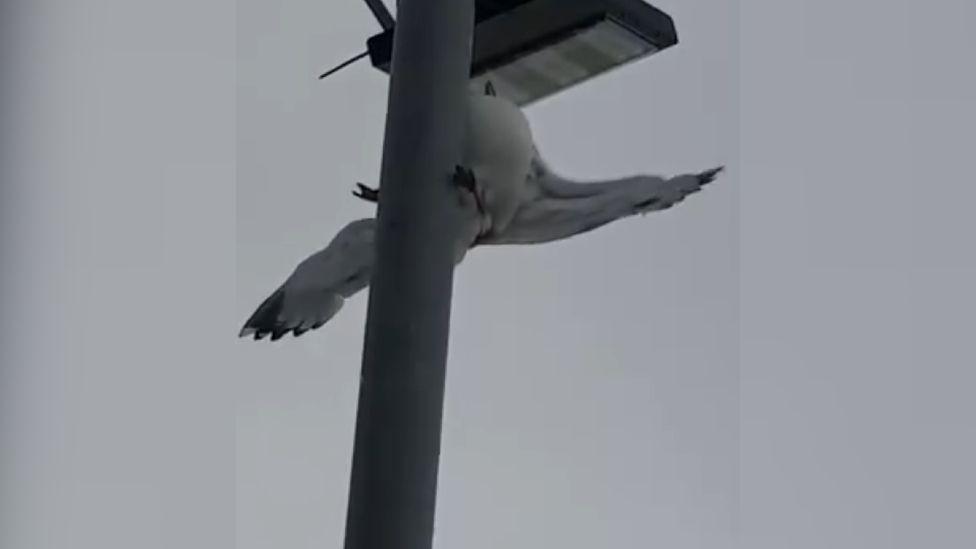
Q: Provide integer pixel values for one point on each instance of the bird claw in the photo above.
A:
(368, 194)
(464, 178)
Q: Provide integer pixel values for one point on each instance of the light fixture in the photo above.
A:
(532, 49)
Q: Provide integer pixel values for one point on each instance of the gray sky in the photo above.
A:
(785, 361)
(856, 270)
(592, 391)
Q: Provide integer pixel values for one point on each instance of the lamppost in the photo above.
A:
(529, 49)
(398, 425)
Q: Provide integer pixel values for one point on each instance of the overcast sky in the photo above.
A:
(781, 360)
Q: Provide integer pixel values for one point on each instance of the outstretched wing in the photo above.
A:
(315, 292)
(560, 208)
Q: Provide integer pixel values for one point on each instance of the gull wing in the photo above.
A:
(319, 286)
(559, 208)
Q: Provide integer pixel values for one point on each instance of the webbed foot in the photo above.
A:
(464, 178)
(369, 194)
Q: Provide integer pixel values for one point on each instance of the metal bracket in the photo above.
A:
(381, 13)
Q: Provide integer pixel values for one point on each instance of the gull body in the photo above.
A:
(499, 150)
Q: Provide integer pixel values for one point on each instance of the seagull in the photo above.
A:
(508, 194)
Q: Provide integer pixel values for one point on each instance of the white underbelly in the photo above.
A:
(499, 150)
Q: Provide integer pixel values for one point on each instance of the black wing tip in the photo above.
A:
(264, 321)
(707, 176)
(274, 333)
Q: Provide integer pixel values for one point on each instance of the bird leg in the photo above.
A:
(463, 178)
(369, 194)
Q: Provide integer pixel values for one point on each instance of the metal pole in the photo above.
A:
(398, 428)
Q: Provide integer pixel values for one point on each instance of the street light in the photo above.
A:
(532, 49)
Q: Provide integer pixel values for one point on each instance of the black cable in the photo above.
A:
(344, 64)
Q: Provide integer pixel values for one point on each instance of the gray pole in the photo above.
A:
(398, 428)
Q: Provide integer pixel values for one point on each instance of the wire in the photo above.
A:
(344, 64)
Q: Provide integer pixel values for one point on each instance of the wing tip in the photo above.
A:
(264, 320)
(707, 176)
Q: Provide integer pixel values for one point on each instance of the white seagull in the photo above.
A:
(509, 195)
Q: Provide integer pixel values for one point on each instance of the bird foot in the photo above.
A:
(369, 194)
(464, 178)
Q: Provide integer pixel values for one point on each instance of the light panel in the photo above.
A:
(582, 55)
(532, 49)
